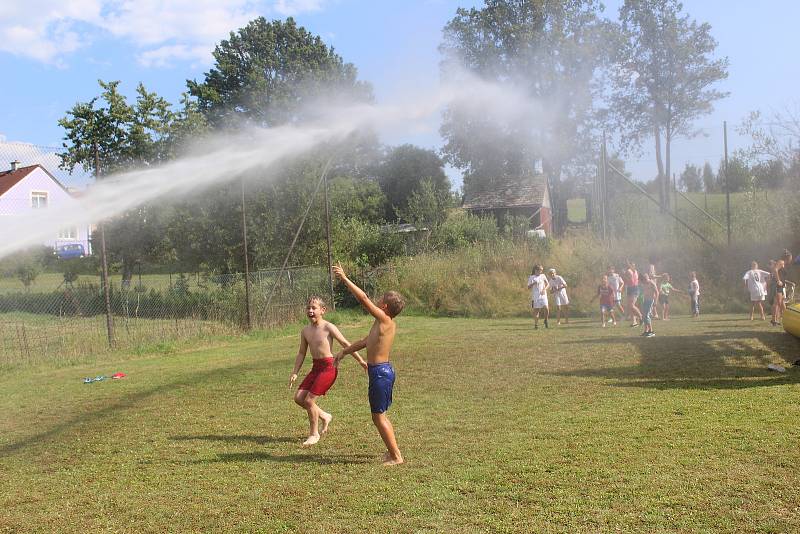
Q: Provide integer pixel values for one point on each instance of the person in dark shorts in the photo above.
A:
(381, 373)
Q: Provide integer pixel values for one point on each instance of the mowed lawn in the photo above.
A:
(504, 429)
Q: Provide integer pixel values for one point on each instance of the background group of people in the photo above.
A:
(643, 293)
(637, 295)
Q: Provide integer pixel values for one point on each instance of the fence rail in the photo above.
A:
(67, 322)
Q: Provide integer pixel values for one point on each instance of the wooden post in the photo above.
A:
(727, 182)
(328, 235)
(247, 319)
(104, 260)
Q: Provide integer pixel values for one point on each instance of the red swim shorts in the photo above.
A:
(321, 378)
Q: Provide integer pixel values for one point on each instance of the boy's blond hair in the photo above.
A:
(394, 303)
(317, 299)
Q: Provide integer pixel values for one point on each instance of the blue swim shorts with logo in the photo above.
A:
(381, 382)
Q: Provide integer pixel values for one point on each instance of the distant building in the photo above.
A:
(24, 189)
(526, 197)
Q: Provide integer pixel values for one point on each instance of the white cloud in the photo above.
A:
(161, 30)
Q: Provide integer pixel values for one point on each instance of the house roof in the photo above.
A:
(9, 178)
(527, 192)
(48, 158)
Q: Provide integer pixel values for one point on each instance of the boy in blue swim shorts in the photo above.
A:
(381, 373)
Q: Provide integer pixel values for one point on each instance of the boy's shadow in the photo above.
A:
(262, 456)
(242, 438)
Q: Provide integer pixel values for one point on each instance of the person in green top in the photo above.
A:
(663, 297)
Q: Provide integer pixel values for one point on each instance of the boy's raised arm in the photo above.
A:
(298, 361)
(360, 296)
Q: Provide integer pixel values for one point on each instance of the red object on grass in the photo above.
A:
(117, 376)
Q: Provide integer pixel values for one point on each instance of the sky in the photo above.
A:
(52, 52)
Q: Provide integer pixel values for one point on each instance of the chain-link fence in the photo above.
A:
(45, 323)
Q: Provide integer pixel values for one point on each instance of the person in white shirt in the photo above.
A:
(755, 280)
(617, 284)
(694, 293)
(538, 284)
(558, 286)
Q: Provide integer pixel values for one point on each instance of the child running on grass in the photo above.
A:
(617, 284)
(538, 284)
(663, 296)
(694, 294)
(649, 297)
(381, 373)
(607, 296)
(632, 289)
(755, 280)
(559, 288)
(317, 336)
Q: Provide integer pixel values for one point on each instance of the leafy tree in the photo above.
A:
(403, 171)
(553, 53)
(740, 177)
(265, 72)
(663, 78)
(691, 180)
(126, 136)
(426, 206)
(709, 180)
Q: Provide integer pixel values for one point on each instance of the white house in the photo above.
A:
(32, 187)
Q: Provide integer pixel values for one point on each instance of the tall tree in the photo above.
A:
(265, 72)
(664, 78)
(550, 51)
(126, 136)
(691, 179)
(709, 180)
(403, 170)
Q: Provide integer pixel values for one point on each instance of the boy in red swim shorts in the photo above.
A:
(317, 336)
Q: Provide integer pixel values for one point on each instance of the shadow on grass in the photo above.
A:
(716, 359)
(261, 440)
(261, 456)
(132, 401)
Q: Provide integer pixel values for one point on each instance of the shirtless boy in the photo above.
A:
(317, 336)
(381, 374)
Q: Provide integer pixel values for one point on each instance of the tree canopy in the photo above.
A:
(553, 52)
(267, 71)
(663, 79)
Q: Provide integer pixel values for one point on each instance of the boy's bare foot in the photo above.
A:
(311, 440)
(388, 459)
(326, 420)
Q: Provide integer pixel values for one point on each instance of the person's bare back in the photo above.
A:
(378, 343)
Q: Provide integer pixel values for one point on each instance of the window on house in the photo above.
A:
(39, 200)
(68, 233)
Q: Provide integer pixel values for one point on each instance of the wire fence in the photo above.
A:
(42, 323)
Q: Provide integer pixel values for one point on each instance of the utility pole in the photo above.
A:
(247, 318)
(328, 235)
(727, 182)
(104, 259)
(603, 188)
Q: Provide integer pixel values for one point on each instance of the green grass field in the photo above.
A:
(504, 429)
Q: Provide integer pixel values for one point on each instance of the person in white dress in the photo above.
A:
(558, 287)
(538, 284)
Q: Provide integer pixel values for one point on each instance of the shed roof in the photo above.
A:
(521, 193)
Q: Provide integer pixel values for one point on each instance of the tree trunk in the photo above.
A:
(660, 163)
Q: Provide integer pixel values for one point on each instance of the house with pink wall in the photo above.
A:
(23, 189)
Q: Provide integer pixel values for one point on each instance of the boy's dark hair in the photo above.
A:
(313, 298)
(394, 303)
